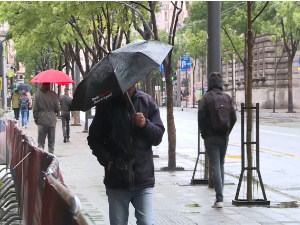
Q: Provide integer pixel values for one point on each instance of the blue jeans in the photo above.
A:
(216, 148)
(24, 117)
(142, 201)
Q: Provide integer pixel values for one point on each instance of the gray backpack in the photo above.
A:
(24, 103)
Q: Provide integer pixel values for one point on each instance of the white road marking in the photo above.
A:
(271, 132)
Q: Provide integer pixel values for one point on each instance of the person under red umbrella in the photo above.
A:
(45, 109)
(52, 76)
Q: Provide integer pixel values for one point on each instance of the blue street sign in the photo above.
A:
(161, 69)
(299, 61)
(185, 64)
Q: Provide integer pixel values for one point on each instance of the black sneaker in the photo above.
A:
(68, 139)
(65, 139)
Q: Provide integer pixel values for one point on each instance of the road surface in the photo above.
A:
(279, 149)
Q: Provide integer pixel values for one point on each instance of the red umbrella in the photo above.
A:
(52, 76)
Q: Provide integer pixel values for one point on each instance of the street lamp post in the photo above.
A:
(213, 47)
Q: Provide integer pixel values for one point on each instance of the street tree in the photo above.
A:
(250, 42)
(283, 20)
(234, 29)
(167, 63)
(71, 28)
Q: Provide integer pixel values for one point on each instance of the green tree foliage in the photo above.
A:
(92, 27)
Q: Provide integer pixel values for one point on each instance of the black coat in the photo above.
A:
(114, 136)
(215, 84)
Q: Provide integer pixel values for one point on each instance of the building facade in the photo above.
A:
(266, 55)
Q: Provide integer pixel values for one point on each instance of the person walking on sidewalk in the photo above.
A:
(24, 106)
(15, 104)
(216, 118)
(122, 142)
(65, 103)
(30, 103)
(45, 109)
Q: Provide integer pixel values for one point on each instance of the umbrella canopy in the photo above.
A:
(13, 90)
(52, 76)
(118, 71)
(24, 87)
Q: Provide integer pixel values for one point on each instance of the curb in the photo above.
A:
(262, 115)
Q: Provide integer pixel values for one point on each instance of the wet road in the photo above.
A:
(279, 149)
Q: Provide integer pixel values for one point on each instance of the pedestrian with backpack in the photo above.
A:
(216, 118)
(24, 106)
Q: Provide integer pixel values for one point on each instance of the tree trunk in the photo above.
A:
(290, 86)
(245, 80)
(232, 81)
(149, 76)
(249, 103)
(170, 116)
(275, 79)
(149, 85)
(74, 88)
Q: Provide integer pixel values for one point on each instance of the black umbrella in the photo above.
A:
(24, 87)
(118, 71)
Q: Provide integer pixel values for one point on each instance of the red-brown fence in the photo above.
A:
(33, 192)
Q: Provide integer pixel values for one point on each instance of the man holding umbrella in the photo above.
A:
(45, 109)
(122, 142)
(126, 126)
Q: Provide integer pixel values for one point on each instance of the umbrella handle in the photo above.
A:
(130, 102)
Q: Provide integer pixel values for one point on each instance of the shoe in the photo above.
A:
(217, 205)
(65, 139)
(68, 139)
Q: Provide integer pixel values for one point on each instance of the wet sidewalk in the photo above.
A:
(175, 200)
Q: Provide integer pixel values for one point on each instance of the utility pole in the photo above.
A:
(213, 49)
(3, 76)
(214, 37)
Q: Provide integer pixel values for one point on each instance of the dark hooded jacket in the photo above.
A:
(215, 84)
(114, 136)
(65, 104)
